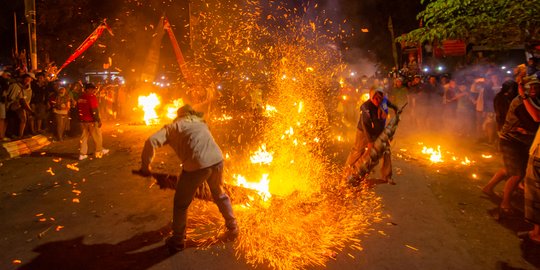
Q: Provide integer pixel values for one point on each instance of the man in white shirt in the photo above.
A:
(201, 159)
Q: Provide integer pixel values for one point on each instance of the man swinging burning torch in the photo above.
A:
(372, 139)
(202, 161)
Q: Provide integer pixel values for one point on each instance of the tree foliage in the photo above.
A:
(496, 23)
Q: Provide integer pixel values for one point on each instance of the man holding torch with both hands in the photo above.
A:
(201, 160)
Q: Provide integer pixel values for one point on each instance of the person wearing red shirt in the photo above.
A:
(90, 122)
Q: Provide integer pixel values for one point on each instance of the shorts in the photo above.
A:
(2, 110)
(532, 191)
(515, 155)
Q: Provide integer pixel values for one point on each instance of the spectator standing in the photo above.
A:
(502, 100)
(39, 104)
(75, 93)
(532, 176)
(60, 104)
(18, 97)
(90, 122)
(515, 139)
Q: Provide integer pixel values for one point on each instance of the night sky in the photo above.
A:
(370, 14)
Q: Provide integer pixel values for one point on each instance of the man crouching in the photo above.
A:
(201, 159)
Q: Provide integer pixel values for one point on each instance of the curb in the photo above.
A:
(22, 147)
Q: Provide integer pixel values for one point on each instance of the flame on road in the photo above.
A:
(148, 105)
(262, 186)
(434, 155)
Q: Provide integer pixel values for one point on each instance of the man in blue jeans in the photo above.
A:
(201, 159)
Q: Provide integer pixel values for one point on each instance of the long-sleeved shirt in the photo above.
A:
(190, 139)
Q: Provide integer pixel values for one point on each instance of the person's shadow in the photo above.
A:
(74, 254)
(71, 156)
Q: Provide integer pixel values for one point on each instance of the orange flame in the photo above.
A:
(173, 107)
(148, 105)
(270, 110)
(261, 156)
(262, 187)
(435, 155)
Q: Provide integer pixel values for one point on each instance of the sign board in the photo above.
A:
(454, 47)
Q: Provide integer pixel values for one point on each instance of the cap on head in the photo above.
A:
(187, 110)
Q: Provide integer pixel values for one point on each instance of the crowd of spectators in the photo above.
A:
(34, 103)
(467, 102)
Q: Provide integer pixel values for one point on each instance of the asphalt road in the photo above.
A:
(59, 213)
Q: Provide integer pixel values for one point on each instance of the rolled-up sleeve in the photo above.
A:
(157, 140)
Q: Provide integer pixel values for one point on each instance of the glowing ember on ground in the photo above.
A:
(487, 156)
(73, 166)
(148, 105)
(411, 247)
(466, 161)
